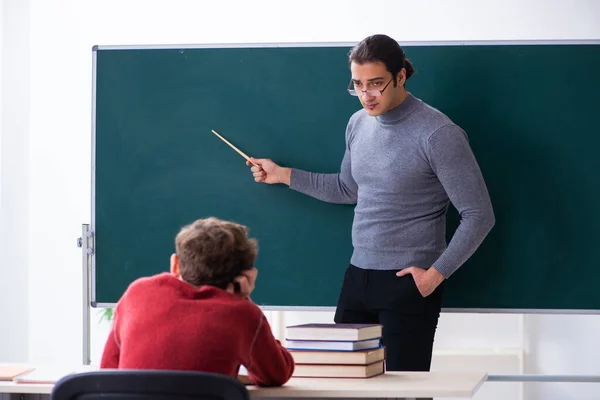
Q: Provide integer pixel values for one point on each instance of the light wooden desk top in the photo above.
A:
(390, 385)
(25, 388)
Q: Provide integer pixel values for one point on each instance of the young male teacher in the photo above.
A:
(404, 163)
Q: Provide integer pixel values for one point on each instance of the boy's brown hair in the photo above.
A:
(213, 252)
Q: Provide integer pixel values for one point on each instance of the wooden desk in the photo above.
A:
(389, 385)
(24, 388)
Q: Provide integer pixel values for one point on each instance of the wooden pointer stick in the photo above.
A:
(235, 148)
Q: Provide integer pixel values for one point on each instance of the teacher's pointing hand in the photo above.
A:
(266, 171)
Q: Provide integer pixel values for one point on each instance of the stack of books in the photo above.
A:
(336, 350)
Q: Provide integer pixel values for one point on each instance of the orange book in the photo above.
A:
(8, 373)
(360, 357)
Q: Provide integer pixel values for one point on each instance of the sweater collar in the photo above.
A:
(190, 290)
(407, 107)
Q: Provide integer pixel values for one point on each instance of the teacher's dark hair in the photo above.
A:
(384, 49)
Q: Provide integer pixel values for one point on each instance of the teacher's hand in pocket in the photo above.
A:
(426, 280)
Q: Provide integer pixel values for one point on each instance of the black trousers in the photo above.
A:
(409, 320)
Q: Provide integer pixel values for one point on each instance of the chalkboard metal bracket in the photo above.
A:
(86, 243)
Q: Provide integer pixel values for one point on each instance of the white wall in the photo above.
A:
(14, 183)
(59, 170)
(2, 27)
(563, 344)
(45, 141)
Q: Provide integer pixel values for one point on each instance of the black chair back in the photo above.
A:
(148, 385)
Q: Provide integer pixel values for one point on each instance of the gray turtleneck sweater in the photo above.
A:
(402, 169)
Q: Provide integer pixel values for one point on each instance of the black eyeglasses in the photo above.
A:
(371, 92)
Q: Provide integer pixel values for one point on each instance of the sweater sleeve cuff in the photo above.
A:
(444, 267)
(299, 180)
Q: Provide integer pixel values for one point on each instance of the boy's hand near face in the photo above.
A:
(246, 282)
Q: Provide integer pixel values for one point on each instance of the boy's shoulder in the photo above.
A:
(248, 306)
(246, 310)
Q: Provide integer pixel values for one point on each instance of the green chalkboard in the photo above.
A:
(530, 110)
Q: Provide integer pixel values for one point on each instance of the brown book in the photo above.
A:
(352, 332)
(361, 357)
(338, 371)
(8, 373)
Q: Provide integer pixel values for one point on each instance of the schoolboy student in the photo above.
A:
(199, 316)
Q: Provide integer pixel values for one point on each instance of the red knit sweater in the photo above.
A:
(162, 322)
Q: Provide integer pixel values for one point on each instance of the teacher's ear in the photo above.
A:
(175, 266)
